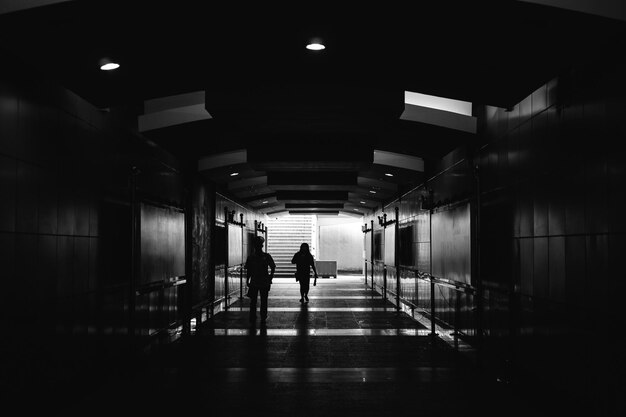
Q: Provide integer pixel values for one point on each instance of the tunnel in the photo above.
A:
(456, 170)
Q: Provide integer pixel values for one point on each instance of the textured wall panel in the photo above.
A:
(451, 246)
(162, 243)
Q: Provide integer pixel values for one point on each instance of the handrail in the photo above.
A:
(162, 284)
(426, 276)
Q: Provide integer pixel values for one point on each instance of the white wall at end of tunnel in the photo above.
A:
(341, 239)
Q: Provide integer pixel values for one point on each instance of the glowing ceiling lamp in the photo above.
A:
(109, 66)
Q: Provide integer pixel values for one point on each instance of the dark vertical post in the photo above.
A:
(186, 290)
(242, 258)
(384, 281)
(364, 228)
(226, 248)
(135, 262)
(396, 251)
(432, 282)
(266, 239)
(478, 279)
(457, 313)
(384, 260)
(256, 225)
(372, 253)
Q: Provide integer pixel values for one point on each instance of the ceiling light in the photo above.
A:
(109, 66)
(315, 46)
(388, 174)
(234, 174)
(355, 209)
(264, 202)
(372, 191)
(362, 202)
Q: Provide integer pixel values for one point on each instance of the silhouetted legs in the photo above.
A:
(304, 289)
(253, 295)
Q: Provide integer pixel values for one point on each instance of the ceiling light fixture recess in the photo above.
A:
(315, 44)
(234, 174)
(388, 174)
(372, 191)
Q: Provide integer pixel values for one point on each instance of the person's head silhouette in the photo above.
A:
(258, 242)
(304, 248)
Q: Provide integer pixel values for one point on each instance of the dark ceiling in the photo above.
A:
(308, 120)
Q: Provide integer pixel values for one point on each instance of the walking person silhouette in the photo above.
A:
(304, 261)
(258, 279)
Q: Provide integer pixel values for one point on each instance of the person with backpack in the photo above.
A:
(259, 280)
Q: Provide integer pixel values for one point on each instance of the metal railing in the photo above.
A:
(448, 306)
(159, 306)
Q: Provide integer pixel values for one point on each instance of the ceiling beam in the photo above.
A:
(172, 111)
(247, 182)
(376, 184)
(439, 118)
(9, 6)
(398, 160)
(314, 206)
(312, 196)
(223, 159)
(311, 178)
(612, 9)
(319, 165)
(324, 212)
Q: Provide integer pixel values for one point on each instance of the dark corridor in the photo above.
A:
(487, 172)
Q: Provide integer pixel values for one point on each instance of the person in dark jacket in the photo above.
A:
(259, 280)
(304, 262)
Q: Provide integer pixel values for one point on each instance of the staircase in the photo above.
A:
(284, 236)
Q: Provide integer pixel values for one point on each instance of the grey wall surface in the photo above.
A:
(342, 242)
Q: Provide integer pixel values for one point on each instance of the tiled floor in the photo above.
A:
(345, 353)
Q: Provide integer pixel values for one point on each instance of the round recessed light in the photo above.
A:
(372, 191)
(388, 174)
(234, 174)
(314, 46)
(109, 66)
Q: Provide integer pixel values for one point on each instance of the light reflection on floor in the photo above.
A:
(317, 332)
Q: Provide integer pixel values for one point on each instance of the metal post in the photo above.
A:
(365, 270)
(226, 289)
(256, 225)
(478, 279)
(396, 251)
(364, 229)
(432, 283)
(457, 314)
(384, 261)
(384, 281)
(372, 253)
(433, 327)
(242, 261)
(186, 290)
